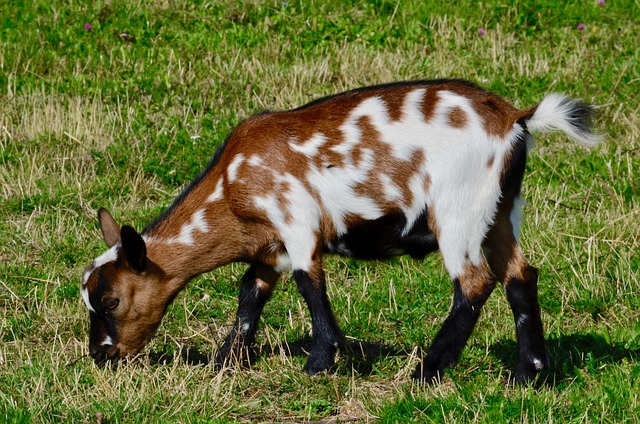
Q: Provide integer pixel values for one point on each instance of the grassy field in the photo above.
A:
(122, 103)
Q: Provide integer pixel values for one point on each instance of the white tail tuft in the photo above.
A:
(557, 112)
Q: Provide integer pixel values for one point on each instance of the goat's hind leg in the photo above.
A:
(521, 286)
(471, 290)
(256, 289)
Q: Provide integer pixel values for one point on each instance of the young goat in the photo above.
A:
(404, 168)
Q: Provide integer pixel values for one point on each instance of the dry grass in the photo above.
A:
(69, 147)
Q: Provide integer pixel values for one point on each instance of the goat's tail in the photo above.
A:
(556, 112)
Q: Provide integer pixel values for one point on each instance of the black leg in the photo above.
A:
(454, 333)
(326, 333)
(256, 289)
(522, 294)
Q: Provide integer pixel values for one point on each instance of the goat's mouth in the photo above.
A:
(105, 354)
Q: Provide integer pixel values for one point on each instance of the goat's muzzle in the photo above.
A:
(102, 354)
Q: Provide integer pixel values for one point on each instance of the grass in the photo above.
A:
(123, 115)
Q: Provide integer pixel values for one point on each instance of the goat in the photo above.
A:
(372, 173)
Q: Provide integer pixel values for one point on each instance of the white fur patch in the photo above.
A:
(232, 170)
(309, 147)
(108, 341)
(109, 256)
(538, 365)
(255, 161)
(391, 190)
(336, 188)
(85, 297)
(197, 223)
(283, 263)
(516, 216)
(217, 193)
(298, 227)
(85, 277)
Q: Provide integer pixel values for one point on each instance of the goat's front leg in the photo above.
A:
(471, 291)
(326, 333)
(256, 289)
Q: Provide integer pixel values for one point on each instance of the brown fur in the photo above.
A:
(501, 247)
(457, 117)
(476, 281)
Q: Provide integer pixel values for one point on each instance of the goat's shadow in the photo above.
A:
(358, 356)
(188, 354)
(568, 354)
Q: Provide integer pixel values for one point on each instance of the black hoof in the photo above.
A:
(231, 358)
(319, 362)
(427, 376)
(526, 374)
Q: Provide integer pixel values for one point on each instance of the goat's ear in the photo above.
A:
(109, 226)
(135, 250)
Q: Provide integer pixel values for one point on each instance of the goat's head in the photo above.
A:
(126, 293)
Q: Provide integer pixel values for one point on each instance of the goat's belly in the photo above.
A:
(385, 238)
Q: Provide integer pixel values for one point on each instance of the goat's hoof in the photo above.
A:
(526, 373)
(317, 364)
(226, 358)
(427, 376)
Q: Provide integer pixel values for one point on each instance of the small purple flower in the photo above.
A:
(601, 2)
(482, 32)
(581, 27)
(88, 27)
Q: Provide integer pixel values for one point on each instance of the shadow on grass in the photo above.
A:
(190, 355)
(568, 354)
(358, 356)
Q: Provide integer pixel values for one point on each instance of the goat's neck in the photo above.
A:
(198, 233)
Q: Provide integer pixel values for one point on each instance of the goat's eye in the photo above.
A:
(110, 304)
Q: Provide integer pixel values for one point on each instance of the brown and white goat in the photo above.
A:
(404, 168)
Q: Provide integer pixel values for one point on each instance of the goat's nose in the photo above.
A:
(98, 353)
(95, 353)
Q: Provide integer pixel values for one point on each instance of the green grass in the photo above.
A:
(124, 115)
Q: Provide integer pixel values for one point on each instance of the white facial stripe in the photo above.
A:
(85, 277)
(109, 256)
(85, 297)
(197, 223)
(232, 170)
(217, 193)
(108, 341)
